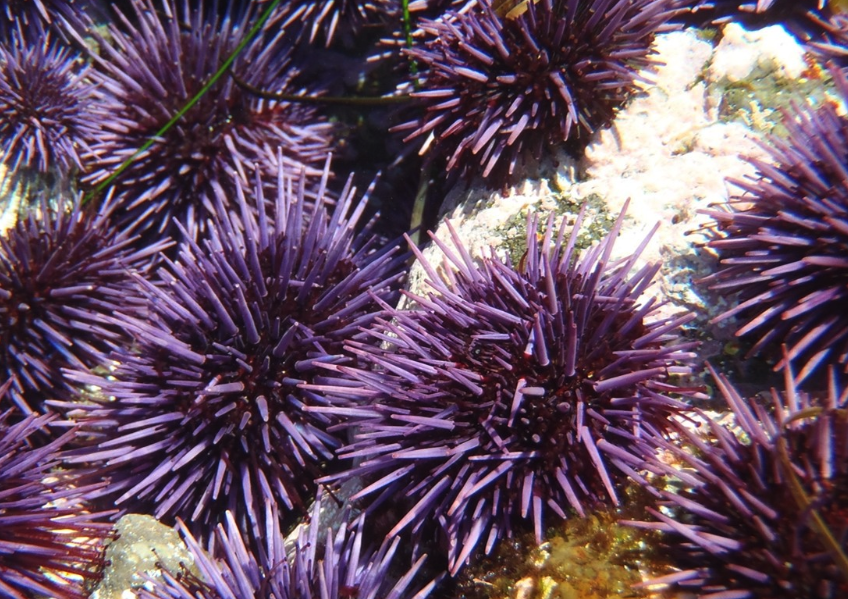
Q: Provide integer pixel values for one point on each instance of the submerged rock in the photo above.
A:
(143, 548)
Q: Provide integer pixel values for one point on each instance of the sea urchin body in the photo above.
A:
(206, 412)
(761, 511)
(510, 391)
(783, 244)
(46, 106)
(496, 85)
(346, 568)
(63, 271)
(147, 73)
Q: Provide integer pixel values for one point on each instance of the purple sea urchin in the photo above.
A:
(783, 243)
(833, 41)
(510, 390)
(762, 511)
(46, 107)
(37, 16)
(205, 413)
(322, 18)
(494, 86)
(828, 32)
(348, 569)
(62, 270)
(148, 71)
(48, 546)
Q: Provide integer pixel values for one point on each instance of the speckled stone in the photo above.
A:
(143, 544)
(10, 200)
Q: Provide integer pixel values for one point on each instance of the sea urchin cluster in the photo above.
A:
(496, 85)
(510, 391)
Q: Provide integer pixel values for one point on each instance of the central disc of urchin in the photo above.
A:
(542, 421)
(255, 372)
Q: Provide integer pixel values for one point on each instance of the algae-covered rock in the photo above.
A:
(584, 558)
(144, 547)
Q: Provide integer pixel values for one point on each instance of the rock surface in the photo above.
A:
(144, 547)
(744, 54)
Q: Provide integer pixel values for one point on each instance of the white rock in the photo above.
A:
(670, 156)
(743, 54)
(481, 219)
(10, 200)
(683, 56)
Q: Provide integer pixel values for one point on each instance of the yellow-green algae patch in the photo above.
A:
(597, 223)
(760, 103)
(584, 558)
